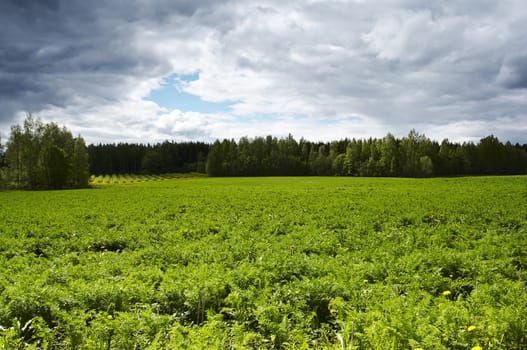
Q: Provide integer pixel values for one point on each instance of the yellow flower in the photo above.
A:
(471, 328)
(110, 317)
(418, 349)
(447, 293)
(477, 347)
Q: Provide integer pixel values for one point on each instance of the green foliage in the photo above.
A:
(266, 263)
(80, 164)
(412, 156)
(41, 156)
(165, 157)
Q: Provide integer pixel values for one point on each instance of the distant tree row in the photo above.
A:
(412, 156)
(40, 156)
(166, 157)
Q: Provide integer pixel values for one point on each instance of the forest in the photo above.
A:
(41, 156)
(130, 158)
(414, 155)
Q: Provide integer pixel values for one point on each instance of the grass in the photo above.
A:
(285, 262)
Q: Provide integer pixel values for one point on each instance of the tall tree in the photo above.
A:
(390, 156)
(43, 156)
(14, 155)
(152, 162)
(491, 155)
(31, 141)
(55, 156)
(80, 164)
(215, 160)
(413, 148)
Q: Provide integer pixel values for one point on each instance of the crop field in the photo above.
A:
(122, 179)
(266, 263)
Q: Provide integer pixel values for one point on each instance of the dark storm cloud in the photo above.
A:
(398, 64)
(50, 50)
(513, 73)
(31, 6)
(37, 43)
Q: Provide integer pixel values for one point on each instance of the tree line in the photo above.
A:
(166, 157)
(43, 156)
(412, 156)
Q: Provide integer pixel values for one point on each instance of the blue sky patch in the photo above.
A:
(170, 96)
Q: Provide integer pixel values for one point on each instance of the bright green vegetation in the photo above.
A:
(99, 180)
(339, 263)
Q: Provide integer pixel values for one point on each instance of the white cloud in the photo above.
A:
(414, 36)
(450, 69)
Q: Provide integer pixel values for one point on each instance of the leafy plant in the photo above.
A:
(338, 263)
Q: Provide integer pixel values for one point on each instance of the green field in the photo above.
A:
(297, 263)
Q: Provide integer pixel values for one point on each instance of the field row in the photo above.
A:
(135, 178)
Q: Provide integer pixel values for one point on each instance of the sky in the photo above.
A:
(200, 70)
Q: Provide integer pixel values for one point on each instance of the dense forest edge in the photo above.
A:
(412, 156)
(42, 156)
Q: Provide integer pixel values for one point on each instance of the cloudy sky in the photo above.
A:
(151, 70)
